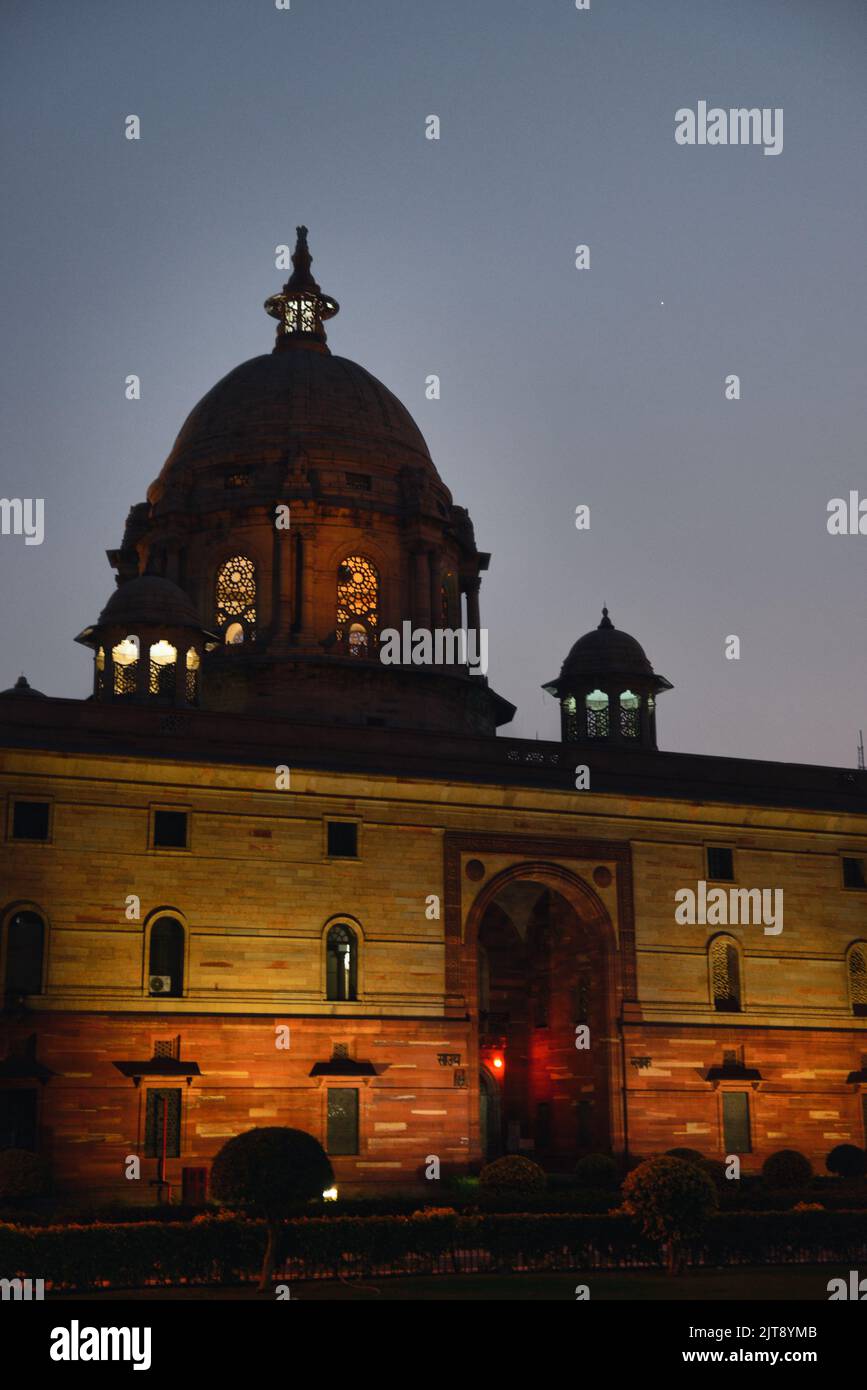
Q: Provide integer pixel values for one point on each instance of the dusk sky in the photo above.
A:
(560, 386)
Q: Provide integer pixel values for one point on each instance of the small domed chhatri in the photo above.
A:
(22, 690)
(607, 689)
(148, 644)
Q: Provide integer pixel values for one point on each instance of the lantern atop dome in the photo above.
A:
(301, 308)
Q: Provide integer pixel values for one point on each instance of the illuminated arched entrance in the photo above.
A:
(544, 946)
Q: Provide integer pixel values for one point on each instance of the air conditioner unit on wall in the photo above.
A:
(160, 984)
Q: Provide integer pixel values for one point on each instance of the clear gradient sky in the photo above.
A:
(456, 257)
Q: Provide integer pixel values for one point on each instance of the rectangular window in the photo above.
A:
(720, 863)
(18, 1119)
(342, 839)
(853, 873)
(163, 1121)
(736, 1122)
(342, 1120)
(30, 820)
(170, 829)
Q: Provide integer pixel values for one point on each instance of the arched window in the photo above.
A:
(25, 953)
(449, 603)
(236, 599)
(630, 706)
(357, 605)
(166, 958)
(596, 705)
(856, 965)
(569, 706)
(725, 975)
(341, 963)
(193, 662)
(163, 669)
(124, 658)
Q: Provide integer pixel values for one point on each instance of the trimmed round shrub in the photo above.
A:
(847, 1161)
(510, 1175)
(787, 1168)
(673, 1200)
(688, 1155)
(267, 1172)
(23, 1175)
(716, 1171)
(596, 1170)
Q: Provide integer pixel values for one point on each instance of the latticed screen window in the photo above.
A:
(596, 705)
(357, 605)
(736, 1122)
(725, 975)
(163, 669)
(163, 1122)
(342, 1120)
(299, 315)
(193, 661)
(858, 980)
(570, 719)
(124, 659)
(629, 714)
(236, 597)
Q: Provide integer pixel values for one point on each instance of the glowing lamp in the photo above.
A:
(498, 1061)
(330, 1194)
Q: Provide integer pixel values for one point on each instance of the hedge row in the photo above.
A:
(225, 1250)
(748, 1194)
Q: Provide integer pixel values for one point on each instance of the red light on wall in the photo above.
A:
(498, 1061)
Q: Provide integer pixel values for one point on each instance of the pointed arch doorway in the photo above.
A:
(545, 978)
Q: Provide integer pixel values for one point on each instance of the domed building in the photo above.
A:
(281, 868)
(301, 511)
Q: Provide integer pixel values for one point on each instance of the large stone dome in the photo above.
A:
(268, 409)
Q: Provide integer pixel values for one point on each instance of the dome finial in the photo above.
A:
(606, 621)
(301, 307)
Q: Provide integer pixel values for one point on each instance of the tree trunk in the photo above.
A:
(270, 1256)
(673, 1257)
